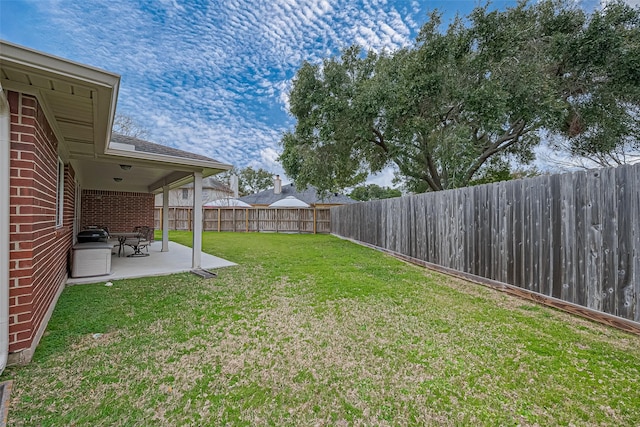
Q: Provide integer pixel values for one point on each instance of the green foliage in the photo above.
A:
(459, 105)
(505, 173)
(598, 73)
(374, 192)
(250, 180)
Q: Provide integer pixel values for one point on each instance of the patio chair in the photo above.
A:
(145, 231)
(137, 244)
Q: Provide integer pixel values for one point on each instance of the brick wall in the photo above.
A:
(117, 210)
(38, 248)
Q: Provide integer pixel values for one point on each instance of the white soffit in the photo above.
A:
(78, 101)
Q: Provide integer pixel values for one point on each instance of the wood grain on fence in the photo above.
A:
(251, 220)
(573, 237)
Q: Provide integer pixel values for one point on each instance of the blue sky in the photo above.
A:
(213, 77)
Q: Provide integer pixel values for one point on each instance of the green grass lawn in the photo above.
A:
(312, 330)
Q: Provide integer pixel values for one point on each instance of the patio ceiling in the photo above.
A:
(99, 174)
(79, 103)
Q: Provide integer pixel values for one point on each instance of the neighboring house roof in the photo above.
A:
(227, 202)
(308, 195)
(153, 148)
(212, 184)
(289, 202)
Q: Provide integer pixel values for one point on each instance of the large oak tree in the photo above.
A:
(467, 102)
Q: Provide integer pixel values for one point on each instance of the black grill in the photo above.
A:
(95, 235)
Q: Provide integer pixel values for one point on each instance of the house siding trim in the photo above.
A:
(5, 179)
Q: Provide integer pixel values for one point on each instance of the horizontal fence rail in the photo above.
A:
(250, 220)
(573, 237)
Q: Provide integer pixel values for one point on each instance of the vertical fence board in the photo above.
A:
(527, 225)
(634, 203)
(477, 232)
(469, 224)
(583, 209)
(624, 185)
(544, 261)
(485, 232)
(518, 233)
(503, 232)
(555, 262)
(460, 231)
(609, 240)
(593, 244)
(535, 233)
(510, 233)
(568, 232)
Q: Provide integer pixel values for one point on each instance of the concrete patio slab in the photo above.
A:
(176, 260)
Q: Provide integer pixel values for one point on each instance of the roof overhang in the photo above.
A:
(182, 168)
(79, 103)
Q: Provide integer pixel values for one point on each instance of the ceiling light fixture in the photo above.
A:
(125, 167)
(117, 179)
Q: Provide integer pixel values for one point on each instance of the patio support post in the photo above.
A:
(197, 219)
(165, 218)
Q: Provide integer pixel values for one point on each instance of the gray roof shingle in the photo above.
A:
(153, 148)
(308, 195)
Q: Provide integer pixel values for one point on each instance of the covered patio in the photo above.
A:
(113, 177)
(176, 260)
(119, 186)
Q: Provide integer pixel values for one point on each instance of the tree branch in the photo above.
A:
(505, 141)
(430, 182)
(433, 171)
(380, 141)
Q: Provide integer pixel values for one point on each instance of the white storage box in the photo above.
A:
(91, 259)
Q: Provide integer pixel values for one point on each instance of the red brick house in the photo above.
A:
(61, 169)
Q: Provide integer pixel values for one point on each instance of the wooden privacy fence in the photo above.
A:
(574, 237)
(250, 219)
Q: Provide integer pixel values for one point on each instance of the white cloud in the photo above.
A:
(384, 178)
(214, 78)
(633, 3)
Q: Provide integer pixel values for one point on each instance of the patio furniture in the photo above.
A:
(91, 259)
(137, 244)
(123, 236)
(93, 235)
(146, 232)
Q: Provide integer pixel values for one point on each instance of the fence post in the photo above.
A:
(218, 220)
(314, 221)
(246, 220)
